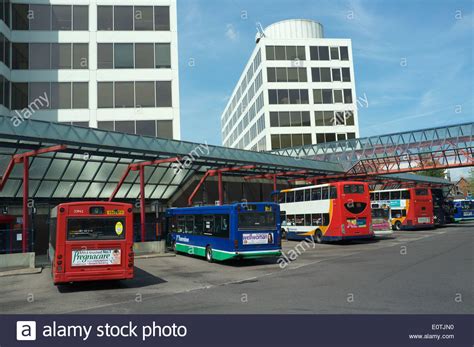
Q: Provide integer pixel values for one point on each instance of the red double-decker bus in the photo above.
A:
(411, 208)
(91, 241)
(327, 212)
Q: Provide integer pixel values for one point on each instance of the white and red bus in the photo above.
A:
(91, 241)
(327, 212)
(410, 208)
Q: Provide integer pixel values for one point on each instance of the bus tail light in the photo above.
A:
(236, 244)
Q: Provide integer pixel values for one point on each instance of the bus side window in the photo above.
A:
(290, 219)
(332, 192)
(299, 220)
(282, 198)
(405, 194)
(404, 213)
(372, 196)
(316, 219)
(208, 224)
(325, 193)
(189, 224)
(325, 219)
(307, 194)
(299, 195)
(221, 226)
(395, 195)
(181, 224)
(290, 196)
(307, 220)
(198, 224)
(384, 196)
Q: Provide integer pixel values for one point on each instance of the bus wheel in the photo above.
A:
(319, 237)
(398, 226)
(283, 234)
(209, 254)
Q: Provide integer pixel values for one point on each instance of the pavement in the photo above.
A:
(425, 271)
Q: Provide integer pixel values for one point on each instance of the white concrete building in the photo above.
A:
(101, 63)
(297, 88)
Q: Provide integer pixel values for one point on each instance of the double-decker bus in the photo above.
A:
(410, 208)
(240, 230)
(91, 241)
(381, 220)
(463, 209)
(328, 212)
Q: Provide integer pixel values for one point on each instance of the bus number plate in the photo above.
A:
(423, 220)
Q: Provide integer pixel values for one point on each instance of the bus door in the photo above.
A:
(95, 243)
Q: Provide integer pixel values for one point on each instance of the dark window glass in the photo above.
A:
(318, 96)
(323, 53)
(163, 94)
(280, 53)
(304, 96)
(344, 53)
(123, 18)
(295, 119)
(301, 53)
(316, 194)
(303, 77)
(354, 189)
(328, 118)
(162, 56)
(105, 94)
(81, 124)
(319, 118)
(295, 96)
(80, 55)
(338, 100)
(80, 18)
(296, 140)
(291, 53)
(271, 74)
(346, 74)
(20, 56)
(275, 139)
(347, 96)
(61, 17)
(313, 52)
(285, 140)
(19, 96)
(274, 119)
(61, 95)
(332, 192)
(305, 118)
(283, 96)
(38, 91)
(107, 125)
(105, 17)
(281, 74)
(336, 75)
(385, 195)
(330, 137)
(40, 17)
(105, 56)
(2, 90)
(315, 74)
(124, 94)
(327, 96)
(325, 74)
(165, 129)
(123, 55)
(143, 17)
(80, 95)
(270, 52)
(405, 194)
(395, 195)
(20, 17)
(61, 55)
(284, 119)
(94, 229)
(324, 193)
(162, 18)
(127, 127)
(272, 97)
(145, 94)
(144, 56)
(293, 74)
(299, 195)
(146, 127)
(40, 56)
(307, 139)
(351, 136)
(421, 192)
(7, 52)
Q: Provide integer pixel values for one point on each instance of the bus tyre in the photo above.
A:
(319, 237)
(398, 226)
(209, 254)
(173, 247)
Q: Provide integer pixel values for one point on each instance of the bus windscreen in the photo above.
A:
(80, 229)
(257, 220)
(353, 189)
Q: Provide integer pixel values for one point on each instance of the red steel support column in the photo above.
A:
(24, 236)
(142, 202)
(275, 187)
(219, 182)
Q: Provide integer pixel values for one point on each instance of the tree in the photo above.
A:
(427, 161)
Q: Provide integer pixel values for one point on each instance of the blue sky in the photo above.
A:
(413, 59)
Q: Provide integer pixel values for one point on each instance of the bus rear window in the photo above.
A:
(79, 229)
(421, 192)
(257, 220)
(353, 189)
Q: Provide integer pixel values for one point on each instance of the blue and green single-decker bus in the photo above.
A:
(240, 230)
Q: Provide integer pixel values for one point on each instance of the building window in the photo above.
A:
(319, 52)
(61, 56)
(39, 17)
(146, 127)
(336, 75)
(334, 53)
(284, 74)
(40, 56)
(344, 53)
(20, 17)
(144, 56)
(127, 127)
(346, 74)
(286, 119)
(20, 56)
(123, 18)
(280, 141)
(285, 53)
(145, 94)
(106, 125)
(162, 56)
(163, 94)
(61, 97)
(325, 137)
(162, 18)
(80, 56)
(105, 18)
(80, 95)
(165, 129)
(322, 74)
(80, 18)
(105, 56)
(123, 55)
(349, 116)
(36, 56)
(347, 96)
(61, 16)
(124, 95)
(105, 94)
(288, 96)
(143, 18)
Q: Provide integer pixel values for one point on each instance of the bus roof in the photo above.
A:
(321, 185)
(219, 207)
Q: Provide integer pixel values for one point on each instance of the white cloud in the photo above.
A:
(231, 33)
